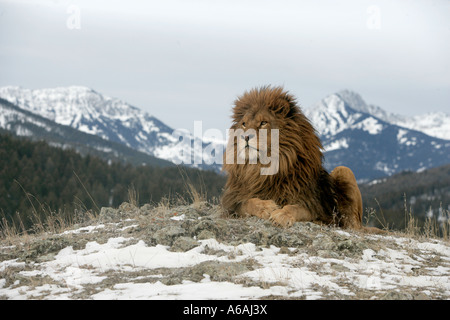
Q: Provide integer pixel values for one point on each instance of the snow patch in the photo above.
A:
(336, 145)
(295, 276)
(371, 125)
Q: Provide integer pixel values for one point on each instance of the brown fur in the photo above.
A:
(301, 190)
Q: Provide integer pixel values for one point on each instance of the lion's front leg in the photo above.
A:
(259, 208)
(290, 214)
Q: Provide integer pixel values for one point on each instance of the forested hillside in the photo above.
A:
(37, 179)
(419, 194)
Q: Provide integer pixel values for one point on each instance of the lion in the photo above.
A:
(300, 189)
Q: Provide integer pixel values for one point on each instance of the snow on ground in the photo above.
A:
(114, 262)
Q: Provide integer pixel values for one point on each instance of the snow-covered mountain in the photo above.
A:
(336, 113)
(109, 118)
(373, 142)
(434, 124)
(364, 138)
(27, 124)
(86, 110)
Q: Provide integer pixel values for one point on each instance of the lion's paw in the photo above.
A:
(267, 209)
(260, 208)
(283, 218)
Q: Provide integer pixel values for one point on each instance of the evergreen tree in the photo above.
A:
(36, 179)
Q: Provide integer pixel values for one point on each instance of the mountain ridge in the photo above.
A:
(434, 124)
(353, 136)
(112, 119)
(362, 136)
(24, 123)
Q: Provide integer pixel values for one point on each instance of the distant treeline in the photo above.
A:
(421, 194)
(36, 178)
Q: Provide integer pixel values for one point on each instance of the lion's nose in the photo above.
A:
(247, 137)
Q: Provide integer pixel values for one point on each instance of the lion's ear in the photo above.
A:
(285, 106)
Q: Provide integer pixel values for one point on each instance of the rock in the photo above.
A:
(45, 247)
(324, 242)
(259, 238)
(125, 210)
(218, 271)
(127, 207)
(395, 295)
(188, 211)
(128, 210)
(309, 226)
(183, 244)
(146, 209)
(45, 258)
(204, 224)
(286, 240)
(345, 244)
(170, 281)
(109, 214)
(284, 250)
(206, 234)
(327, 254)
(421, 296)
(166, 236)
(203, 209)
(339, 267)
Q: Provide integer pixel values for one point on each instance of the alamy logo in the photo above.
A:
(254, 146)
(374, 19)
(74, 19)
(242, 147)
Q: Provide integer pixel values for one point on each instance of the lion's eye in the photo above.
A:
(243, 124)
(263, 123)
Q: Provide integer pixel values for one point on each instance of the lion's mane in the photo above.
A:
(301, 178)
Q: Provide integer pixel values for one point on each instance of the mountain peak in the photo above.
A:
(343, 101)
(336, 112)
(353, 100)
(434, 124)
(70, 101)
(88, 111)
(352, 132)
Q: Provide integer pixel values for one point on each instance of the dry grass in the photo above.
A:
(133, 196)
(431, 228)
(45, 220)
(197, 196)
(371, 214)
(42, 218)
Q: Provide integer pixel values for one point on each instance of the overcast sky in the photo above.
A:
(186, 60)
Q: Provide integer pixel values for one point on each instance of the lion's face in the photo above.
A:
(253, 134)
